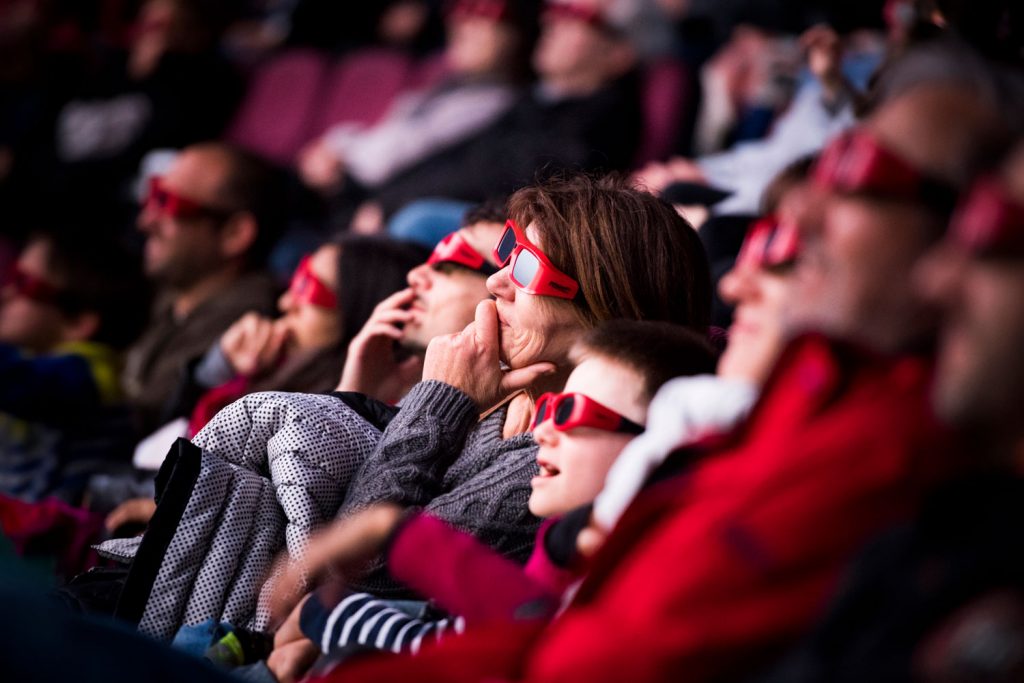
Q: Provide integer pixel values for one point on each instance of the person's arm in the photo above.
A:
(362, 619)
(415, 450)
(45, 387)
(463, 575)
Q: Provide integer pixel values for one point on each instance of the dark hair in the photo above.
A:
(371, 268)
(632, 254)
(254, 185)
(493, 210)
(94, 276)
(658, 351)
(784, 181)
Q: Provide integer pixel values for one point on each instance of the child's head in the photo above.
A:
(65, 287)
(619, 366)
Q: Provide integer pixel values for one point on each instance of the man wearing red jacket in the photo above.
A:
(713, 572)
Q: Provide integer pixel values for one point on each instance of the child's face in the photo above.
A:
(29, 320)
(573, 464)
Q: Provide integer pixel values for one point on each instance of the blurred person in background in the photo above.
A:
(208, 225)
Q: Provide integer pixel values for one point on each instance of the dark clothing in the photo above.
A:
(61, 420)
(157, 361)
(538, 136)
(965, 544)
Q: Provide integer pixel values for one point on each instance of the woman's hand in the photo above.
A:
(469, 361)
(344, 543)
(253, 344)
(370, 366)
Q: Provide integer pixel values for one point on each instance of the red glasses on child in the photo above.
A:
(455, 249)
(532, 271)
(31, 287)
(307, 288)
(572, 410)
(770, 243)
(857, 162)
(989, 222)
(173, 205)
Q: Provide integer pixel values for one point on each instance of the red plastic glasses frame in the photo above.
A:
(858, 162)
(532, 271)
(567, 9)
(495, 10)
(571, 410)
(988, 221)
(770, 243)
(455, 249)
(173, 205)
(307, 288)
(31, 287)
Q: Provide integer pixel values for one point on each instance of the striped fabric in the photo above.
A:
(362, 619)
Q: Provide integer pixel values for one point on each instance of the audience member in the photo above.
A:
(583, 113)
(618, 367)
(209, 223)
(441, 299)
(930, 600)
(486, 56)
(68, 309)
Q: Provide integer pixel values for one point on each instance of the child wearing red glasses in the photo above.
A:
(66, 309)
(579, 433)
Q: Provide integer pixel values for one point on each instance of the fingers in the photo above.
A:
(400, 298)
(514, 380)
(485, 327)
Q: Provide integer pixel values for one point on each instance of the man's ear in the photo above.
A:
(238, 235)
(80, 327)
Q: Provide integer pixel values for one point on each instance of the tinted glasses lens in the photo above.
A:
(564, 410)
(505, 246)
(542, 411)
(525, 268)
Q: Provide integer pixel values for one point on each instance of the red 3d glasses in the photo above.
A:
(989, 222)
(455, 249)
(857, 162)
(307, 288)
(173, 205)
(578, 11)
(495, 10)
(31, 287)
(572, 410)
(532, 271)
(770, 243)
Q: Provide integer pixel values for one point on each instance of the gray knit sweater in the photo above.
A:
(436, 455)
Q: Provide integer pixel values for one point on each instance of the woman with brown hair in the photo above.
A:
(575, 252)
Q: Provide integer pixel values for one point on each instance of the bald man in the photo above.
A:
(209, 223)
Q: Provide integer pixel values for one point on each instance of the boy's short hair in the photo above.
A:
(658, 351)
(95, 276)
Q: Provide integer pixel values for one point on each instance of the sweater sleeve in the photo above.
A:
(464, 576)
(45, 387)
(415, 450)
(361, 619)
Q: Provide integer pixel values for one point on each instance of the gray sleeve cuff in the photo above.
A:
(214, 369)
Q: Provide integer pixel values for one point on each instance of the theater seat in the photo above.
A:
(666, 89)
(360, 87)
(273, 119)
